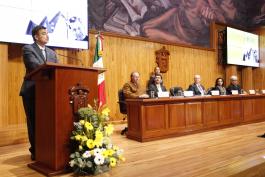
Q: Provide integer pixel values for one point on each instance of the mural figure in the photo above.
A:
(189, 22)
(176, 21)
(258, 19)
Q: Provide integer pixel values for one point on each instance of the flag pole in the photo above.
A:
(98, 62)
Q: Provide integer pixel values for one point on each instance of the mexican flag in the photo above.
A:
(98, 62)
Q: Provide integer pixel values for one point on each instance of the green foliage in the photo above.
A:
(93, 151)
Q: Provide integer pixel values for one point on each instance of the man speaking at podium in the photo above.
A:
(34, 55)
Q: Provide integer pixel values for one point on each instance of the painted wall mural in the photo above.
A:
(176, 21)
(256, 13)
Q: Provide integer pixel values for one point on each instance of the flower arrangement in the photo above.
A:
(94, 152)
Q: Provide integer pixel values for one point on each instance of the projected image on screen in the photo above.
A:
(242, 48)
(66, 21)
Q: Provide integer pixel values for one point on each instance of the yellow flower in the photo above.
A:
(110, 152)
(82, 122)
(115, 148)
(99, 135)
(78, 137)
(90, 143)
(121, 158)
(105, 111)
(88, 126)
(97, 143)
(109, 129)
(112, 162)
(84, 138)
(105, 153)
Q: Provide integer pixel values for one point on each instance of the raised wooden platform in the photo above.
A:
(235, 151)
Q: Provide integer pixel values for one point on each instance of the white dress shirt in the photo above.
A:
(200, 89)
(158, 86)
(43, 51)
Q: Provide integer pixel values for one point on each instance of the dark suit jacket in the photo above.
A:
(195, 89)
(152, 80)
(233, 87)
(33, 58)
(221, 90)
(153, 87)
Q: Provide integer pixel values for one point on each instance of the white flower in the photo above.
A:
(97, 151)
(99, 159)
(109, 146)
(120, 151)
(107, 141)
(86, 154)
(72, 163)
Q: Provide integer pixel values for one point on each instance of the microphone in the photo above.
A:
(72, 58)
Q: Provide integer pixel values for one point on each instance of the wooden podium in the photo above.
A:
(54, 113)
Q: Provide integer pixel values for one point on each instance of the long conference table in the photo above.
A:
(158, 118)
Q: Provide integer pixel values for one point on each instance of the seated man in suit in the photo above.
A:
(233, 85)
(133, 88)
(152, 77)
(196, 87)
(34, 55)
(157, 85)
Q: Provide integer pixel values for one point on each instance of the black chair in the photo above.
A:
(208, 92)
(123, 109)
(175, 91)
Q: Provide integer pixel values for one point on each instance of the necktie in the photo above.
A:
(44, 53)
(200, 89)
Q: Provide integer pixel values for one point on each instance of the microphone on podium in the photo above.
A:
(72, 58)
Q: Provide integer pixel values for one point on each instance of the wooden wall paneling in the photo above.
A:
(121, 56)
(193, 115)
(210, 113)
(247, 78)
(220, 69)
(229, 71)
(133, 111)
(253, 109)
(224, 111)
(16, 72)
(263, 105)
(13, 134)
(113, 59)
(248, 109)
(236, 110)
(259, 107)
(12, 117)
(185, 63)
(155, 117)
(3, 85)
(217, 112)
(62, 59)
(176, 116)
(230, 111)
(259, 73)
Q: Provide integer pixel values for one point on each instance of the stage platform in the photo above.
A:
(234, 151)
